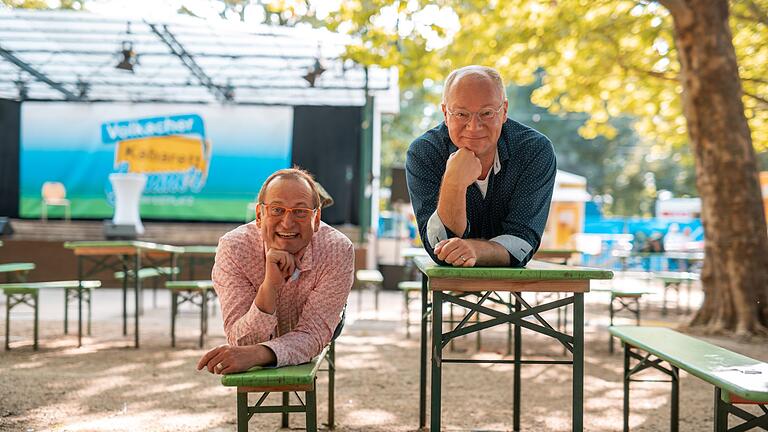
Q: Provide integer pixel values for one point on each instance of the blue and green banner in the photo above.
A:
(202, 162)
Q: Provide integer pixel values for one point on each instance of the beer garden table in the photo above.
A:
(448, 283)
(128, 256)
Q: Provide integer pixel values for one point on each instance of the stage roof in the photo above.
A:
(71, 56)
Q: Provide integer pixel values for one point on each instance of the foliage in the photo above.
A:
(42, 4)
(607, 58)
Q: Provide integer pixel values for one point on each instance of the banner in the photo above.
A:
(203, 162)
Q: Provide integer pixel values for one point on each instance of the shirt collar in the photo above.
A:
(496, 162)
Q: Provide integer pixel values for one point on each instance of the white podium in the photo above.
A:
(128, 188)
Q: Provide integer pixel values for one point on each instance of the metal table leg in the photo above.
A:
(423, 357)
(437, 356)
(578, 362)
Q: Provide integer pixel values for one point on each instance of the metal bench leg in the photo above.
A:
(626, 387)
(406, 300)
(242, 412)
(311, 410)
(203, 310)
(174, 309)
(376, 289)
(286, 402)
(478, 340)
(37, 318)
(637, 313)
(451, 346)
(359, 299)
(509, 327)
(674, 417)
(721, 413)
(516, 385)
(610, 313)
(66, 308)
(90, 297)
(7, 321)
(125, 299)
(331, 385)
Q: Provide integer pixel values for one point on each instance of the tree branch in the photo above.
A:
(755, 80)
(761, 15)
(762, 100)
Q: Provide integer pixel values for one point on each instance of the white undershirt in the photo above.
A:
(483, 184)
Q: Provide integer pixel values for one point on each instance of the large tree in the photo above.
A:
(670, 64)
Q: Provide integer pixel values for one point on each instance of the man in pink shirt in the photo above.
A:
(282, 280)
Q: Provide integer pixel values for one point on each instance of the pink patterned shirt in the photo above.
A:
(308, 307)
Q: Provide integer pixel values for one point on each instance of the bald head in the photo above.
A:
(472, 73)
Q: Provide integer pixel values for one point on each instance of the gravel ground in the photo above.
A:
(106, 385)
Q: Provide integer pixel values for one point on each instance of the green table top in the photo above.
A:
(194, 284)
(675, 276)
(16, 267)
(535, 270)
(738, 374)
(684, 255)
(303, 374)
(199, 250)
(556, 251)
(124, 243)
(53, 284)
(413, 252)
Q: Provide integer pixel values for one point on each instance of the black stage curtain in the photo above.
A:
(326, 142)
(10, 121)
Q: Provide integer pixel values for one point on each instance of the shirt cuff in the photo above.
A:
(281, 357)
(517, 247)
(436, 230)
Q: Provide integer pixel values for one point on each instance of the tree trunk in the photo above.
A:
(735, 273)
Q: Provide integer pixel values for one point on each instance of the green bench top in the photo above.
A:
(193, 284)
(369, 276)
(737, 374)
(535, 270)
(30, 287)
(622, 292)
(150, 272)
(16, 267)
(409, 285)
(676, 276)
(299, 375)
(199, 250)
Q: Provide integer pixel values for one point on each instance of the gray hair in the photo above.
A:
(486, 71)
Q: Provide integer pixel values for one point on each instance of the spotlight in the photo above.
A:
(314, 72)
(83, 88)
(128, 57)
(21, 85)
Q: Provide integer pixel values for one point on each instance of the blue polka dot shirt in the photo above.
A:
(513, 211)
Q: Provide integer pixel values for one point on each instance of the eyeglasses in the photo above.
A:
(484, 115)
(278, 211)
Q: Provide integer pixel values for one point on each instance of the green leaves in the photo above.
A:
(607, 58)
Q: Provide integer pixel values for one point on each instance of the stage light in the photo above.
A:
(314, 72)
(128, 59)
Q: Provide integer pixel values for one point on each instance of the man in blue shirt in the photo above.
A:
(480, 183)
